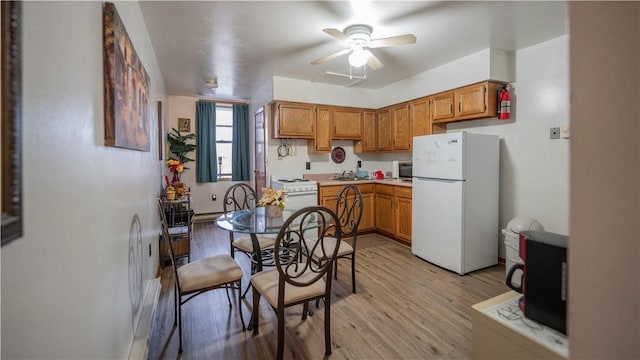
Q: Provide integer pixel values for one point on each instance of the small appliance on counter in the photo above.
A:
(544, 278)
(405, 170)
(394, 169)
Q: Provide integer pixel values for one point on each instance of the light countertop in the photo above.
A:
(328, 181)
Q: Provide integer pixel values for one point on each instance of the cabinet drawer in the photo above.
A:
(366, 188)
(403, 191)
(332, 190)
(384, 189)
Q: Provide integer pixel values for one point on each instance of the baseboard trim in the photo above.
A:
(140, 345)
(501, 261)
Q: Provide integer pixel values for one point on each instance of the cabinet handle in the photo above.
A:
(452, 108)
(460, 106)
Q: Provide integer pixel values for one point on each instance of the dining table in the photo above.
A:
(255, 222)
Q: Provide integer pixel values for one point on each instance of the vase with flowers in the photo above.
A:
(274, 201)
(176, 168)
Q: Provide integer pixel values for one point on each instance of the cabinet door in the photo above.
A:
(477, 101)
(402, 138)
(403, 218)
(385, 219)
(367, 222)
(294, 120)
(322, 141)
(471, 100)
(368, 142)
(442, 106)
(385, 130)
(419, 117)
(347, 123)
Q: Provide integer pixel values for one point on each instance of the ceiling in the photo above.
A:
(245, 43)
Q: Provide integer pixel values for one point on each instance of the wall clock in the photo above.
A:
(338, 155)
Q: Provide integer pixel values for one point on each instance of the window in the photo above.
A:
(224, 136)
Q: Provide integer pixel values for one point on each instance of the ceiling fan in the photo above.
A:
(358, 38)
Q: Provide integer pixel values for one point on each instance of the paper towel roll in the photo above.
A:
(394, 169)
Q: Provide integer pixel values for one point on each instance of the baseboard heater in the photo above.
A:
(206, 216)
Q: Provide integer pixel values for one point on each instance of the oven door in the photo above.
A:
(301, 199)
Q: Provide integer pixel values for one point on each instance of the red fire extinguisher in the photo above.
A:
(504, 104)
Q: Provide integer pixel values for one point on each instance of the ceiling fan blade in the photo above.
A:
(337, 34)
(373, 62)
(393, 41)
(330, 57)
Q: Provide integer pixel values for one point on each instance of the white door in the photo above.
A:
(439, 156)
(437, 222)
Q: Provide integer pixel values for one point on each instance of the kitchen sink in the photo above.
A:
(347, 178)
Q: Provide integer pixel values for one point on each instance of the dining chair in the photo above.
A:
(349, 211)
(297, 279)
(239, 197)
(198, 277)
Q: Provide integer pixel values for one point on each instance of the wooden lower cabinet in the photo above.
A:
(393, 211)
(403, 213)
(386, 208)
(384, 213)
(329, 198)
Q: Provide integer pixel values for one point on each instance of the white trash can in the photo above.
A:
(512, 241)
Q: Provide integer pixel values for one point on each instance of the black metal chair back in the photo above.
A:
(238, 197)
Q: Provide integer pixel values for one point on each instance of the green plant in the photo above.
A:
(178, 146)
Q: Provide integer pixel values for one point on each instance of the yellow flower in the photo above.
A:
(175, 166)
(272, 197)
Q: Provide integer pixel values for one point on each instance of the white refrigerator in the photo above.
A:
(455, 200)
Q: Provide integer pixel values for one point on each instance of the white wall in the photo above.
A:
(65, 283)
(534, 170)
(483, 65)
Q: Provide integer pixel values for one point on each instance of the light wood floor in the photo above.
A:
(405, 308)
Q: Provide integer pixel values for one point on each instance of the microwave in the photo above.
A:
(405, 170)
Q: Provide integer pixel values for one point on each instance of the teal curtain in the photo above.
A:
(206, 170)
(240, 143)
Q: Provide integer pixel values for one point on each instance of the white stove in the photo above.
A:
(294, 185)
(300, 192)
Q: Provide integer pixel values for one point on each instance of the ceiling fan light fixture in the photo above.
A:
(211, 83)
(358, 56)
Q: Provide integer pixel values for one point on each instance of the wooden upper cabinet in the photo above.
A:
(419, 116)
(293, 120)
(469, 102)
(402, 138)
(322, 141)
(442, 107)
(347, 123)
(369, 133)
(478, 100)
(385, 130)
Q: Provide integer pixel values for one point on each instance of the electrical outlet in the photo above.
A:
(554, 133)
(308, 165)
(214, 197)
(359, 164)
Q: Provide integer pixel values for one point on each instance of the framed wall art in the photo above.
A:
(126, 87)
(160, 131)
(12, 221)
(184, 125)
